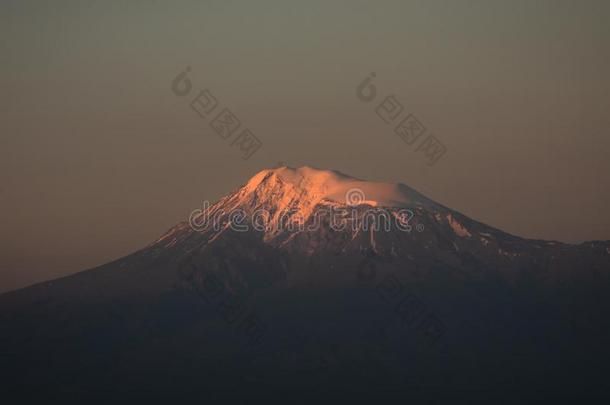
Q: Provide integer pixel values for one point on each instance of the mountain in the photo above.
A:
(314, 282)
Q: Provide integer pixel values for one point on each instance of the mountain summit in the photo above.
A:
(314, 186)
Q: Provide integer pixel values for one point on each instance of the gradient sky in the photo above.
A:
(98, 156)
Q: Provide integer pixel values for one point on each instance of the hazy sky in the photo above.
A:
(98, 156)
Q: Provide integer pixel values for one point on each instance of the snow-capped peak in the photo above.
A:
(281, 197)
(315, 185)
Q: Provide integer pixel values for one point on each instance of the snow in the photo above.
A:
(458, 228)
(318, 185)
